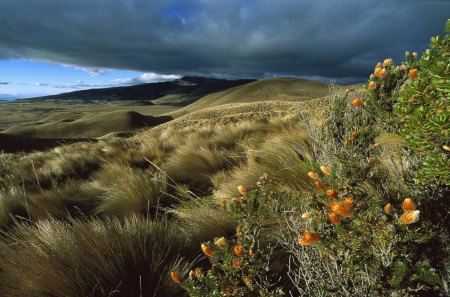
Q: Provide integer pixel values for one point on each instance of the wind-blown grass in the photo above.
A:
(96, 258)
(125, 190)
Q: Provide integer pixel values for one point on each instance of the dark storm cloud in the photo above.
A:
(325, 39)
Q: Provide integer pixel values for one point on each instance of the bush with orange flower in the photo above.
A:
(362, 228)
(239, 265)
(362, 213)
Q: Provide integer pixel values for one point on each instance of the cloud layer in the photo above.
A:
(233, 38)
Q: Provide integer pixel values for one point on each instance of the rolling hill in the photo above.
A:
(273, 89)
(90, 125)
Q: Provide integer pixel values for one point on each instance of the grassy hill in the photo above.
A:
(90, 125)
(272, 89)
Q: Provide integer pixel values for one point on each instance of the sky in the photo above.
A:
(55, 46)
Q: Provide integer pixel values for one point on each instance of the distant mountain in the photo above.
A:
(8, 97)
(180, 92)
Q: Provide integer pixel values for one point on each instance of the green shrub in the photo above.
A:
(424, 111)
(240, 264)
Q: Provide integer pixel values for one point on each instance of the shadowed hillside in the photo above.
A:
(181, 92)
(16, 143)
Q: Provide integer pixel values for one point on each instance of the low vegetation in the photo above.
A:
(353, 203)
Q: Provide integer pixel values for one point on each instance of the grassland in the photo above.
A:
(113, 216)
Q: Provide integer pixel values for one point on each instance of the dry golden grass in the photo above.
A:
(125, 190)
(18, 112)
(284, 158)
(272, 89)
(117, 176)
(201, 219)
(91, 125)
(97, 258)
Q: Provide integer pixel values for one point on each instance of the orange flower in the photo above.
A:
(409, 217)
(334, 218)
(206, 250)
(220, 242)
(238, 250)
(379, 65)
(175, 277)
(372, 85)
(357, 102)
(354, 134)
(325, 170)
(382, 73)
(377, 71)
(319, 185)
(328, 120)
(388, 208)
(236, 263)
(242, 190)
(308, 238)
(408, 205)
(331, 193)
(348, 202)
(313, 175)
(340, 209)
(413, 73)
(306, 215)
(223, 202)
(197, 272)
(388, 62)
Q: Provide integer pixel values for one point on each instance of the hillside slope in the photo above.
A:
(272, 89)
(91, 125)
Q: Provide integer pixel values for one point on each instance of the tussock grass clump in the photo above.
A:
(284, 158)
(96, 258)
(151, 148)
(124, 190)
(195, 162)
(197, 154)
(201, 219)
(10, 202)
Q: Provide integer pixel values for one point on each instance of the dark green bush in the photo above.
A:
(423, 109)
